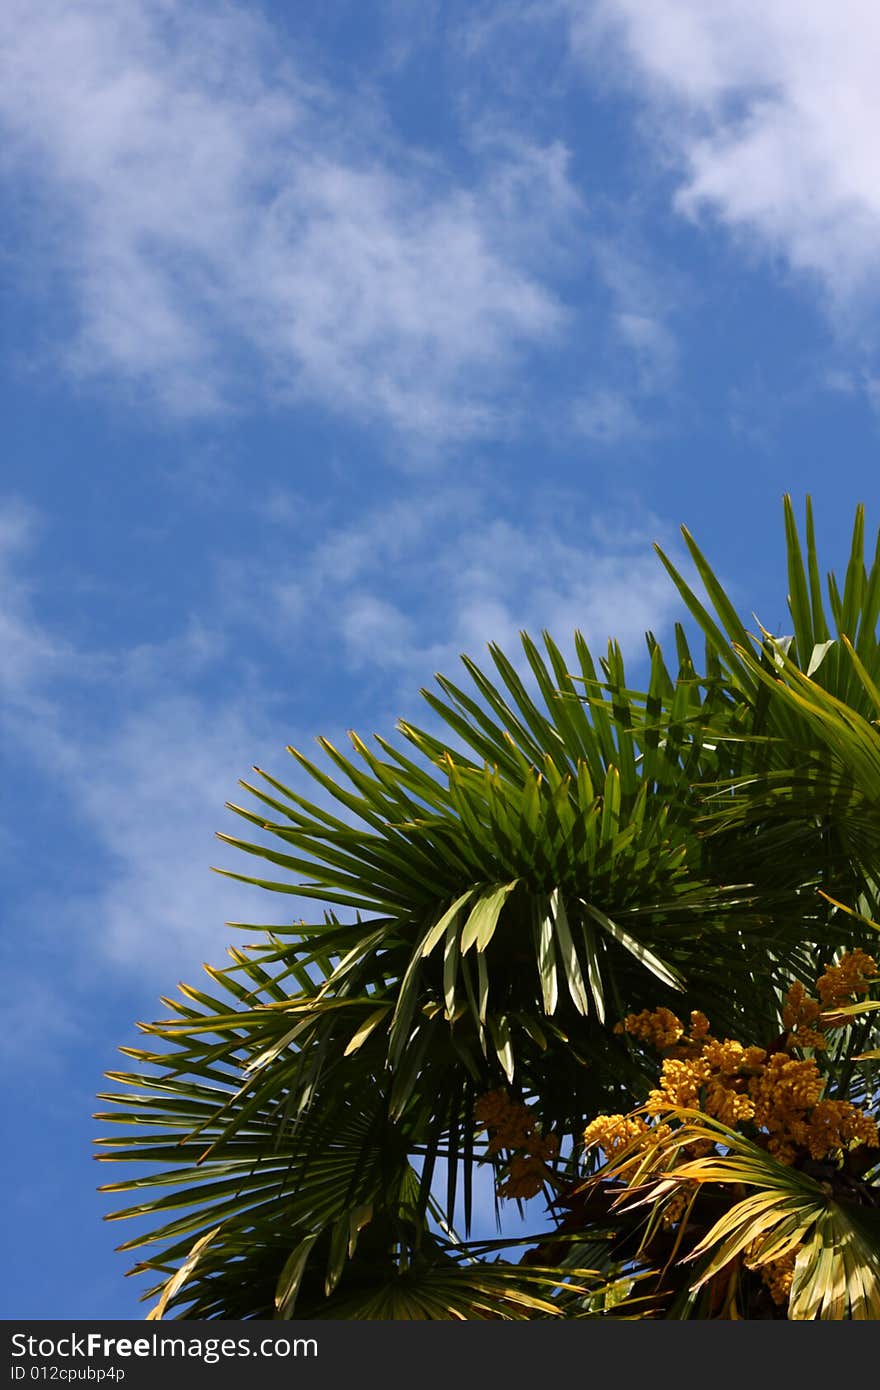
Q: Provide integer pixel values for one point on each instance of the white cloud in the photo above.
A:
(154, 793)
(605, 416)
(773, 108)
(32, 655)
(37, 1017)
(639, 361)
(224, 220)
(145, 765)
(374, 629)
(651, 344)
(406, 588)
(146, 762)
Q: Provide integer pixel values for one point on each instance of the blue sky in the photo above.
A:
(338, 340)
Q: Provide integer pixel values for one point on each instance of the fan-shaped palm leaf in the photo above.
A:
(779, 1210)
(512, 881)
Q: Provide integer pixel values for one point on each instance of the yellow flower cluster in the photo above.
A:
(662, 1030)
(511, 1126)
(799, 1014)
(779, 1094)
(677, 1205)
(776, 1274)
(611, 1133)
(658, 1028)
(834, 1125)
(732, 1059)
(848, 977)
(784, 1086)
(681, 1081)
(714, 1081)
(699, 1030)
(727, 1105)
(614, 1133)
(784, 1094)
(526, 1175)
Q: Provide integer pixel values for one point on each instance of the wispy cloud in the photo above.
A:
(223, 219)
(638, 376)
(146, 764)
(403, 590)
(772, 117)
(142, 765)
(607, 416)
(31, 655)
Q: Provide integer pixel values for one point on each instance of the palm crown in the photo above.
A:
(496, 895)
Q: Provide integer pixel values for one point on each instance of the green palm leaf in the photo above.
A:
(556, 850)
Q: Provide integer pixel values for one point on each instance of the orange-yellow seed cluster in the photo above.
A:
(848, 977)
(512, 1127)
(657, 1027)
(776, 1094)
(800, 1015)
(780, 1095)
(833, 1125)
(776, 1274)
(611, 1133)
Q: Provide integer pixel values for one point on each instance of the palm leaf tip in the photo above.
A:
(554, 852)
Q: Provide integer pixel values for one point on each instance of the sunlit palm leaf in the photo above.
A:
(512, 880)
(785, 1210)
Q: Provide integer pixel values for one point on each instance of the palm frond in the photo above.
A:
(496, 891)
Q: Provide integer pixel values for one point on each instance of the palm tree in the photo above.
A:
(495, 895)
